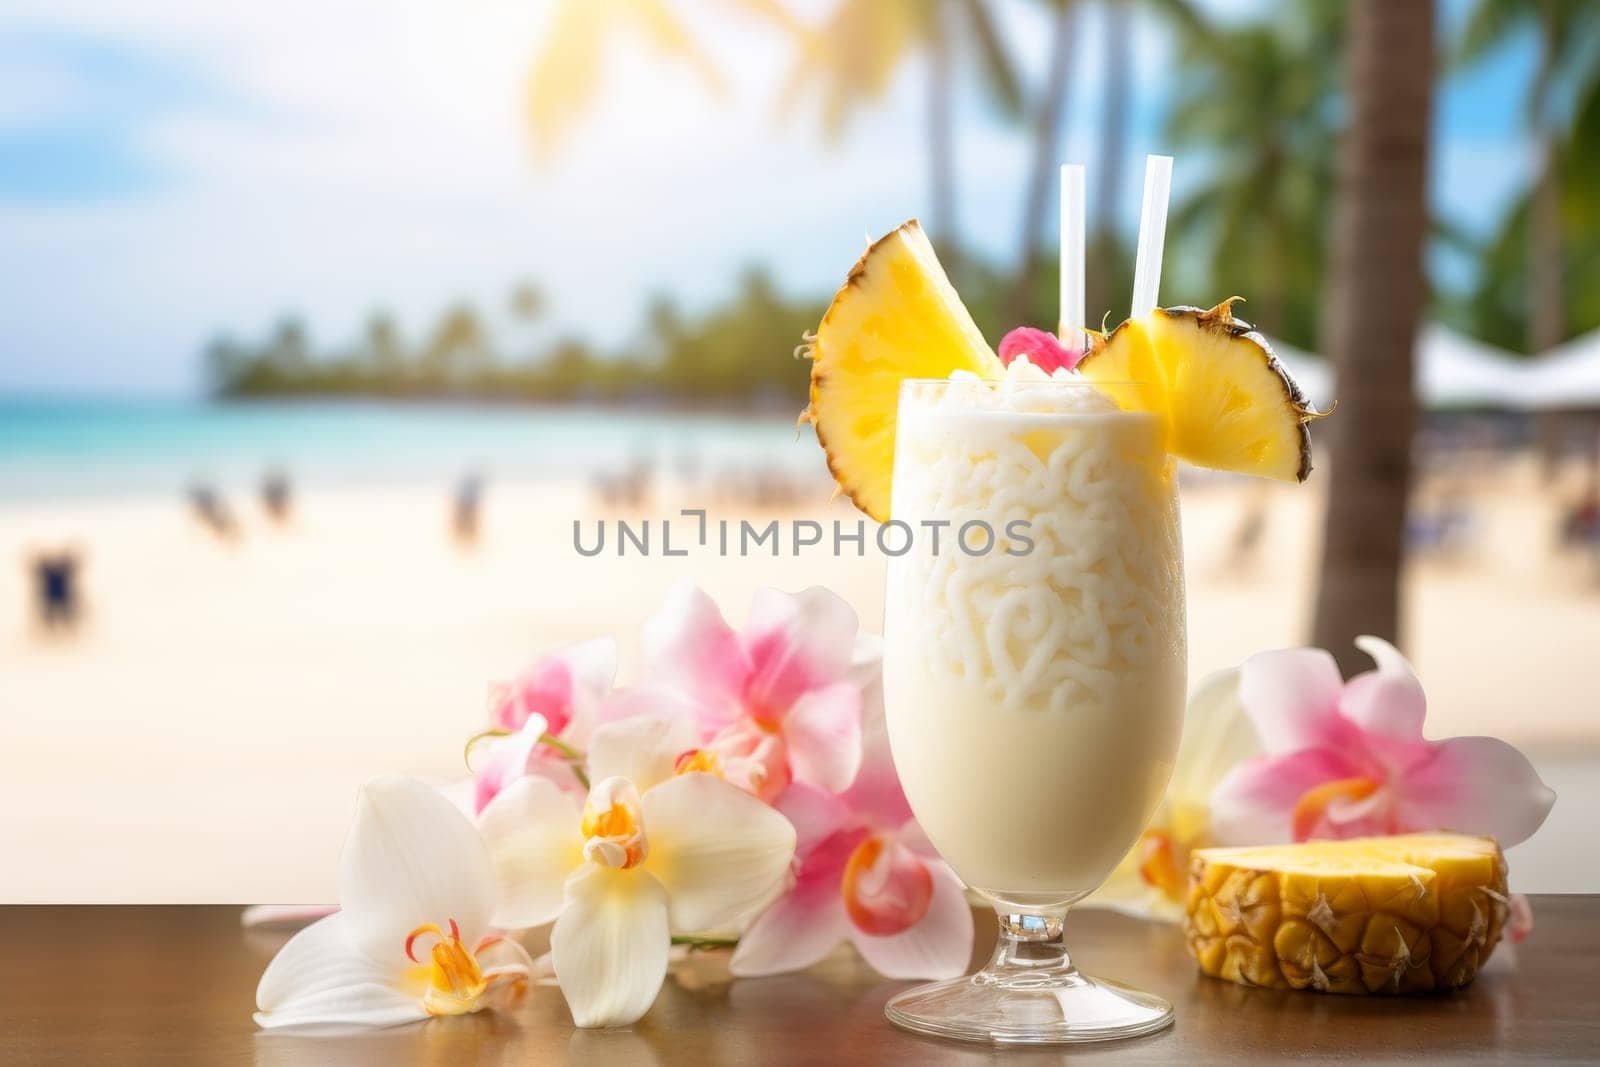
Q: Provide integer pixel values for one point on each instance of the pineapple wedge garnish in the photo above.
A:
(1404, 914)
(896, 317)
(1230, 405)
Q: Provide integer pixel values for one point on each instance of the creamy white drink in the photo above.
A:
(1034, 690)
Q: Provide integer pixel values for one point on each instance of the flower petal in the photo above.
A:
(610, 946)
(875, 794)
(320, 978)
(690, 647)
(532, 831)
(1217, 736)
(823, 733)
(411, 858)
(866, 668)
(642, 749)
(504, 760)
(815, 816)
(796, 643)
(1291, 695)
(939, 946)
(720, 853)
(1388, 700)
(284, 914)
(801, 927)
(1254, 804)
(1476, 785)
(563, 686)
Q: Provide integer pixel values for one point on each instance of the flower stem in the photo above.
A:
(466, 750)
(700, 944)
(568, 753)
(573, 757)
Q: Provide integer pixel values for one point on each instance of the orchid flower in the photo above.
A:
(866, 875)
(650, 854)
(541, 719)
(1348, 759)
(412, 937)
(1152, 880)
(777, 700)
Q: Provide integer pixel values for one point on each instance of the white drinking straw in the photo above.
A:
(1152, 234)
(1070, 326)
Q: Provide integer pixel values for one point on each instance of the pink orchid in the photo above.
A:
(864, 873)
(560, 698)
(1039, 347)
(775, 702)
(1348, 759)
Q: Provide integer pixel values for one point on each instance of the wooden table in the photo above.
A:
(176, 985)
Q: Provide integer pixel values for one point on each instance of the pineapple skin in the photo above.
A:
(1342, 932)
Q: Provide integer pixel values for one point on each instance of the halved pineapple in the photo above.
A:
(896, 317)
(1402, 914)
(1230, 405)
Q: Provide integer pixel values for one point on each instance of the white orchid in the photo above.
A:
(412, 936)
(650, 854)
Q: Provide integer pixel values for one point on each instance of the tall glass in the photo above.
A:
(1035, 684)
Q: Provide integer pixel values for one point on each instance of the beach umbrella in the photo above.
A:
(1453, 371)
(1566, 377)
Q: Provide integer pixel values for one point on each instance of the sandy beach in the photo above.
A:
(202, 735)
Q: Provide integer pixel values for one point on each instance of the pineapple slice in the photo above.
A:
(896, 317)
(1229, 403)
(1404, 914)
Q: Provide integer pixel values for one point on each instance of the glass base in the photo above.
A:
(1029, 994)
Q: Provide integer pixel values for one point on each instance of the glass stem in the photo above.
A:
(1031, 942)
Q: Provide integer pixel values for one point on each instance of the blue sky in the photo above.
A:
(170, 173)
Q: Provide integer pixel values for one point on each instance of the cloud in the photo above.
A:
(327, 159)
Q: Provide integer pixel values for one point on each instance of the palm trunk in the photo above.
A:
(1546, 298)
(1375, 300)
(941, 139)
(1046, 137)
(1113, 142)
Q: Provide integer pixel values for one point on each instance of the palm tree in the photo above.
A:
(1375, 300)
(851, 60)
(459, 351)
(1113, 266)
(384, 352)
(566, 77)
(1258, 100)
(1567, 32)
(527, 301)
(1047, 134)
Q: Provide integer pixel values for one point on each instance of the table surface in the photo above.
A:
(87, 985)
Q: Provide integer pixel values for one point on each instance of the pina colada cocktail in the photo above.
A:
(1034, 643)
(1034, 691)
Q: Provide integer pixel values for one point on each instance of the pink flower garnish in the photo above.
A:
(777, 697)
(864, 874)
(1348, 759)
(1041, 348)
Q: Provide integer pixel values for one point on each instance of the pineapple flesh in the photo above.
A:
(1230, 405)
(896, 317)
(1406, 914)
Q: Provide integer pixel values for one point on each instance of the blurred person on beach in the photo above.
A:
(1580, 524)
(277, 498)
(57, 604)
(213, 512)
(466, 509)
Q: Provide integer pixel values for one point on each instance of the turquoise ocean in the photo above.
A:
(73, 448)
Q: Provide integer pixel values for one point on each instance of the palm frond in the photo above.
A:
(998, 73)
